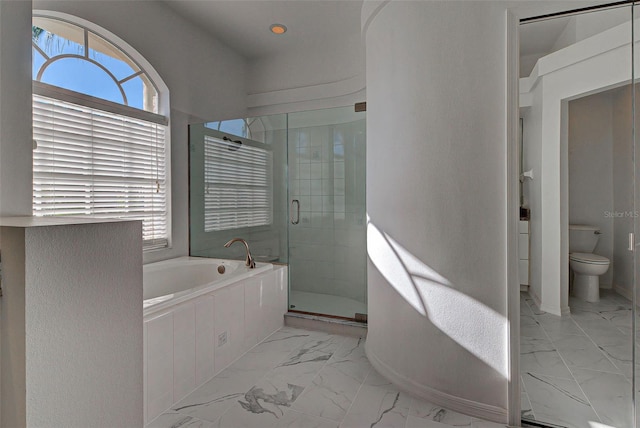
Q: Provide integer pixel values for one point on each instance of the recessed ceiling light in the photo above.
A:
(278, 29)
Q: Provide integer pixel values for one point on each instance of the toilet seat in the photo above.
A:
(588, 258)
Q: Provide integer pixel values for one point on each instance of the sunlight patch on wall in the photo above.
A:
(474, 326)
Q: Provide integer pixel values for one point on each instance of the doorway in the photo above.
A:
(577, 173)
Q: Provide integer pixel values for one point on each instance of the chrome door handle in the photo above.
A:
(297, 220)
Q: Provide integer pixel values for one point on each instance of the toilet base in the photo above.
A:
(586, 287)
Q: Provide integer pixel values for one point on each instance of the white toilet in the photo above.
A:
(586, 266)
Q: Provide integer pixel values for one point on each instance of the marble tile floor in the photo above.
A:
(306, 379)
(576, 370)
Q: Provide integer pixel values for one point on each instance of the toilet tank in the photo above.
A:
(583, 238)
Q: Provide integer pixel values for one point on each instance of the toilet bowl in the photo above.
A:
(586, 266)
(587, 269)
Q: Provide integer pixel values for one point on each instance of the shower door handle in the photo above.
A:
(297, 220)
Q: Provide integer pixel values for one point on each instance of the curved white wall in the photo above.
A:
(437, 200)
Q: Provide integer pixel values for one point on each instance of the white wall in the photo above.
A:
(15, 109)
(72, 325)
(323, 75)
(436, 198)
(205, 79)
(591, 167)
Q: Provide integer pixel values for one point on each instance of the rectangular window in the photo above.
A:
(91, 162)
(237, 184)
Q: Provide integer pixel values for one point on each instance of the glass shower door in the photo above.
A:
(327, 217)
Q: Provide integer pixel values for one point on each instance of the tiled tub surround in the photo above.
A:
(306, 379)
(187, 343)
(577, 369)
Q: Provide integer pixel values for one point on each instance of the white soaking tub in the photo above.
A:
(174, 281)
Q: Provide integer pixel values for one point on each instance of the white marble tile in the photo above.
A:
(526, 411)
(544, 361)
(293, 419)
(609, 394)
(602, 331)
(178, 420)
(559, 401)
(532, 331)
(554, 326)
(261, 406)
(285, 339)
(332, 391)
(432, 412)
(580, 351)
(620, 355)
(477, 423)
(377, 407)
(213, 398)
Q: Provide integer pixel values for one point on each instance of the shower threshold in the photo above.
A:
(327, 305)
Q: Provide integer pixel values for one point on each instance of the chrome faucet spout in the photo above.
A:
(249, 260)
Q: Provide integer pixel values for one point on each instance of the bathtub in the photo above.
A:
(198, 321)
(171, 282)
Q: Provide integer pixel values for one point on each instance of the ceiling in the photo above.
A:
(539, 37)
(243, 25)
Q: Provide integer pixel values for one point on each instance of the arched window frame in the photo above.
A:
(162, 105)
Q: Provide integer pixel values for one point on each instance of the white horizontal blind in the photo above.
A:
(237, 185)
(90, 162)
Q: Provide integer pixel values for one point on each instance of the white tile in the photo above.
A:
(205, 332)
(425, 410)
(159, 365)
(253, 312)
(379, 407)
(332, 392)
(229, 318)
(543, 360)
(177, 420)
(559, 401)
(293, 419)
(184, 350)
(213, 398)
(609, 394)
(525, 407)
(580, 351)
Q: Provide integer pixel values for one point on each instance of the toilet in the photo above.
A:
(586, 266)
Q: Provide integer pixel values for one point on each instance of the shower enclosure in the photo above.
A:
(293, 186)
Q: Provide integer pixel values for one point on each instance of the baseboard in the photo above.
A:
(448, 401)
(534, 297)
(624, 292)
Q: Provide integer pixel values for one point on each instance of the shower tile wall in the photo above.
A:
(327, 175)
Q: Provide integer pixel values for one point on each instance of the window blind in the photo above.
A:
(90, 162)
(237, 185)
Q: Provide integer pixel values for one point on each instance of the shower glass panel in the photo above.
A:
(578, 369)
(327, 227)
(238, 188)
(293, 186)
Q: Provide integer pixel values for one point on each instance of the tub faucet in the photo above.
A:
(249, 262)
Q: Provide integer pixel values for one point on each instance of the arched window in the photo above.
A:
(100, 126)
